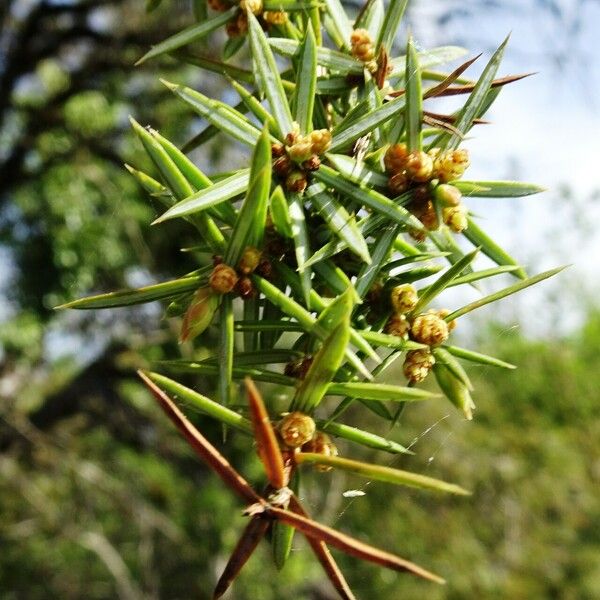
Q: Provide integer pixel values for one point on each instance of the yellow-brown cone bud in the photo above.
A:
(296, 429)
(223, 279)
(456, 217)
(398, 183)
(283, 166)
(320, 140)
(417, 365)
(397, 325)
(417, 235)
(404, 298)
(298, 368)
(395, 158)
(419, 166)
(275, 17)
(312, 164)
(232, 29)
(277, 150)
(362, 45)
(218, 5)
(249, 261)
(254, 6)
(442, 313)
(245, 288)
(301, 150)
(450, 165)
(242, 22)
(296, 181)
(428, 216)
(292, 136)
(265, 269)
(447, 195)
(429, 329)
(321, 444)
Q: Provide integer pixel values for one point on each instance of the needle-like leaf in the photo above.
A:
(267, 75)
(379, 473)
(454, 389)
(477, 100)
(253, 533)
(497, 189)
(332, 59)
(301, 243)
(477, 357)
(250, 223)
(414, 99)
(337, 217)
(306, 82)
(491, 249)
(349, 545)
(219, 114)
(266, 441)
(149, 293)
(438, 286)
(390, 24)
(323, 368)
(211, 196)
(324, 556)
(513, 289)
(189, 35)
(201, 445)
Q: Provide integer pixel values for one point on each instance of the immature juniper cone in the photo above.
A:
(430, 329)
(296, 429)
(223, 279)
(404, 298)
(321, 443)
(313, 232)
(417, 365)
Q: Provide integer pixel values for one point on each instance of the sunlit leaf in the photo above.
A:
(379, 473)
(189, 35)
(513, 289)
(267, 75)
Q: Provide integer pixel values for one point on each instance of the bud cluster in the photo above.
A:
(238, 25)
(428, 328)
(225, 279)
(321, 443)
(298, 368)
(431, 329)
(363, 48)
(417, 365)
(403, 299)
(298, 431)
(426, 175)
(299, 156)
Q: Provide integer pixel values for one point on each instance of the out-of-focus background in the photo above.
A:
(100, 499)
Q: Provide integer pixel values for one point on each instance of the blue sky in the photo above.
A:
(545, 130)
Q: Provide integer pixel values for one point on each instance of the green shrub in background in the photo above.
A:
(533, 472)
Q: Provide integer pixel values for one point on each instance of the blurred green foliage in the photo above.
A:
(95, 506)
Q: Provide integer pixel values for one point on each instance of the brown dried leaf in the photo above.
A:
(253, 533)
(440, 87)
(468, 87)
(215, 460)
(451, 118)
(382, 68)
(268, 447)
(349, 545)
(324, 556)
